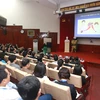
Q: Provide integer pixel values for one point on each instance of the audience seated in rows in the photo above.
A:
(29, 89)
(43, 69)
(26, 65)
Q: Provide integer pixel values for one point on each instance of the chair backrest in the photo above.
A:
(72, 64)
(53, 74)
(42, 85)
(6, 58)
(19, 56)
(9, 53)
(34, 60)
(32, 66)
(20, 74)
(45, 59)
(12, 71)
(50, 65)
(83, 71)
(70, 69)
(48, 60)
(18, 61)
(84, 90)
(59, 92)
(75, 80)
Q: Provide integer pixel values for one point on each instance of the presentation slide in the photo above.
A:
(87, 25)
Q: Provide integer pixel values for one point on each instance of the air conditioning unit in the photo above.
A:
(3, 21)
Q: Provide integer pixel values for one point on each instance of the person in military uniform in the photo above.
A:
(74, 45)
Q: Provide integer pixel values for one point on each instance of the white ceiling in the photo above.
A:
(56, 4)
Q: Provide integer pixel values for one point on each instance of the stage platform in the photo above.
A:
(88, 57)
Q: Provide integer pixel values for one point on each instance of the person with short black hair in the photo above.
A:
(67, 63)
(25, 53)
(29, 89)
(64, 75)
(40, 71)
(55, 59)
(60, 63)
(33, 54)
(39, 59)
(78, 71)
(8, 90)
(26, 65)
(12, 59)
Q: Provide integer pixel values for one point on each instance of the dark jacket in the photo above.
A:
(68, 65)
(72, 88)
(83, 80)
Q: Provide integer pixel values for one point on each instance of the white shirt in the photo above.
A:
(55, 62)
(9, 92)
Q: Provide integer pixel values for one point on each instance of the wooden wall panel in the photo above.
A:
(89, 48)
(66, 29)
(53, 36)
(15, 37)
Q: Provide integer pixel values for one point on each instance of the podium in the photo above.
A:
(67, 46)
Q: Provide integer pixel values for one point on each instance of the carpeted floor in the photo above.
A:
(94, 89)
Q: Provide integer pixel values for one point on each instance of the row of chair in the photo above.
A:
(58, 92)
(74, 79)
(53, 74)
(52, 65)
(32, 59)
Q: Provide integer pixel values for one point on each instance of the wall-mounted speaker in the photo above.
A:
(4, 30)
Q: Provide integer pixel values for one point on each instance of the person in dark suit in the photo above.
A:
(64, 75)
(66, 63)
(32, 55)
(78, 71)
(60, 63)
